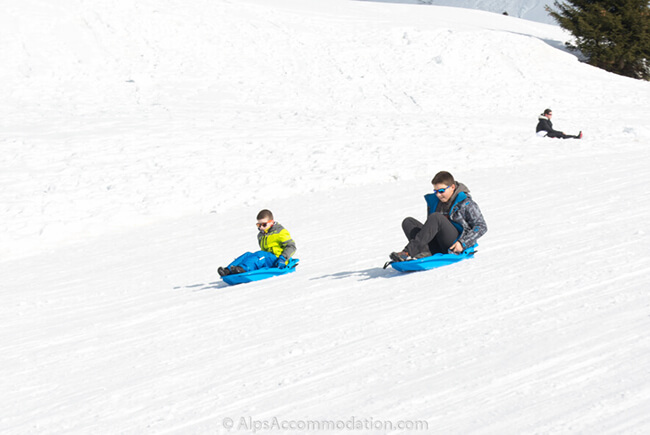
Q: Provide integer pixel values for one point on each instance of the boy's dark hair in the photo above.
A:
(547, 111)
(265, 214)
(443, 177)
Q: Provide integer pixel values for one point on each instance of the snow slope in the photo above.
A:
(140, 140)
(533, 10)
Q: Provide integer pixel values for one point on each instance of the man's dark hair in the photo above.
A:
(443, 177)
(265, 214)
(547, 111)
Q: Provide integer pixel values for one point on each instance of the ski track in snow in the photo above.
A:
(514, 340)
(140, 156)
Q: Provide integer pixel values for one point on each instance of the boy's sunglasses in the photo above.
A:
(441, 190)
(263, 224)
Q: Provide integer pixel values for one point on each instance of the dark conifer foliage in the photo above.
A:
(612, 34)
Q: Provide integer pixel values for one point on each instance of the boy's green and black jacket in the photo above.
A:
(277, 241)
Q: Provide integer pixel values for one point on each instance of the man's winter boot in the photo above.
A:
(400, 256)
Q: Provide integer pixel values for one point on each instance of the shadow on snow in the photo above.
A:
(364, 275)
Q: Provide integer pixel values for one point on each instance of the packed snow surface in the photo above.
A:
(140, 139)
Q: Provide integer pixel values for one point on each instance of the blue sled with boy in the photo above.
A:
(274, 257)
(450, 233)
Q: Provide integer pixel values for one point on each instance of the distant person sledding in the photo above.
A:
(274, 258)
(545, 127)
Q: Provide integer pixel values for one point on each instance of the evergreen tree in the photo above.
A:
(613, 34)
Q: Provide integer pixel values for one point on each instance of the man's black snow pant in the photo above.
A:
(436, 235)
(560, 135)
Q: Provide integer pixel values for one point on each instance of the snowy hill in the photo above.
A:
(140, 139)
(533, 10)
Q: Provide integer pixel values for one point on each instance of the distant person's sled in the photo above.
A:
(260, 274)
(432, 261)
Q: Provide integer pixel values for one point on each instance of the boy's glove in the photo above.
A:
(281, 262)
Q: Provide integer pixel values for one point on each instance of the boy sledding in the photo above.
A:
(454, 222)
(277, 248)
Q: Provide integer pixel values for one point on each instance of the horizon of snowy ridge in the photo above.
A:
(533, 10)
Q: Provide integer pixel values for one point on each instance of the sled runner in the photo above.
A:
(431, 262)
(260, 274)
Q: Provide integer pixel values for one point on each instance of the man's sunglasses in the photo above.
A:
(263, 224)
(441, 190)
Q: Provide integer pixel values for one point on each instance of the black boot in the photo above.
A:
(223, 271)
(236, 269)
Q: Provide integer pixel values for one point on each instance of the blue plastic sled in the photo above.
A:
(433, 261)
(260, 274)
